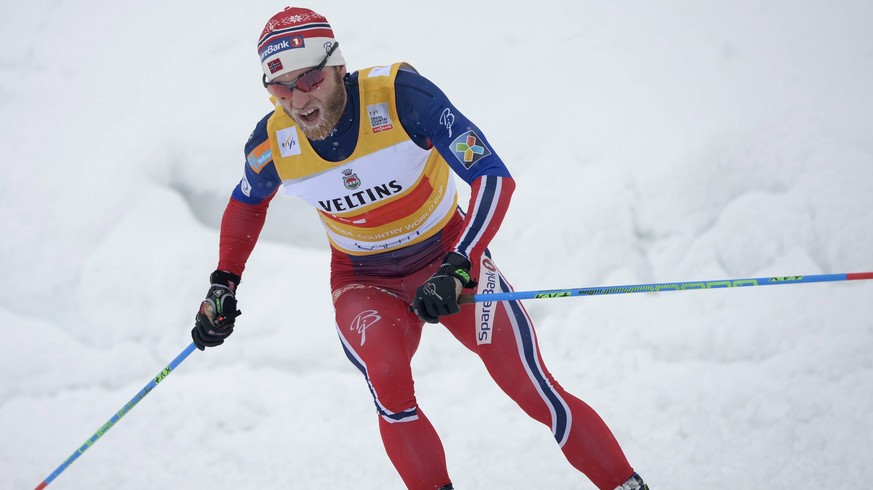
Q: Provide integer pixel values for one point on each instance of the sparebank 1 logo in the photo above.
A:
(469, 148)
(280, 44)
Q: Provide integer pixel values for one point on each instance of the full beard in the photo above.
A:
(331, 112)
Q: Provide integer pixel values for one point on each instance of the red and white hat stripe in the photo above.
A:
(312, 30)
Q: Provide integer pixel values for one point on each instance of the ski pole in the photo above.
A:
(121, 413)
(662, 287)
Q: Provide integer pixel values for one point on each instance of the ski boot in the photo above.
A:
(633, 483)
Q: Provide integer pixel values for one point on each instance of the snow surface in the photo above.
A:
(651, 141)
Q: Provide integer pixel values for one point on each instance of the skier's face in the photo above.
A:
(318, 110)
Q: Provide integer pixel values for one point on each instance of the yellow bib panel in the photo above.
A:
(388, 194)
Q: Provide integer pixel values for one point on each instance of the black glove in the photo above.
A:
(438, 296)
(214, 321)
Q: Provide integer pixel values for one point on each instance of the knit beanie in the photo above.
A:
(296, 38)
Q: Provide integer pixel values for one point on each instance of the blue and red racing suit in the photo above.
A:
(384, 187)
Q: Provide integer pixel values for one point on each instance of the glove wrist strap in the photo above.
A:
(224, 278)
(458, 266)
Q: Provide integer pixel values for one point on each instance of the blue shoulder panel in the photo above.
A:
(430, 119)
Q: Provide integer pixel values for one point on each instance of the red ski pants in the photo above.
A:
(380, 335)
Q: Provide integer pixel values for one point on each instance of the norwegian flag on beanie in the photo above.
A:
(296, 38)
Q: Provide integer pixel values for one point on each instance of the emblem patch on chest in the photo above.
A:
(350, 179)
(469, 148)
(289, 143)
(379, 117)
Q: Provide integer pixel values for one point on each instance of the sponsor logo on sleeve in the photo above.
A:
(289, 141)
(260, 156)
(245, 186)
(447, 119)
(469, 148)
(379, 118)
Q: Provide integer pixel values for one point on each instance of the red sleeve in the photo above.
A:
(489, 200)
(240, 227)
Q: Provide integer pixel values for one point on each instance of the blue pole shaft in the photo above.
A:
(662, 287)
(121, 413)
